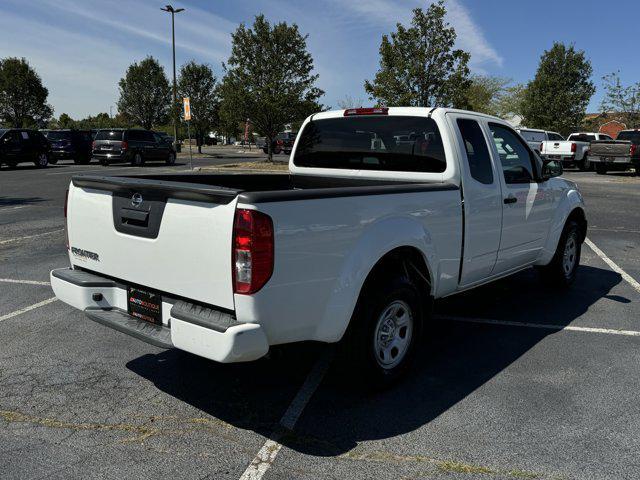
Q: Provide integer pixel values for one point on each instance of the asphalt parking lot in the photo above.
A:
(523, 381)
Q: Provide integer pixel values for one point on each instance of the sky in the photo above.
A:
(81, 48)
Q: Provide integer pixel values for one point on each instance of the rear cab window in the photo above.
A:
(533, 136)
(582, 137)
(633, 137)
(383, 143)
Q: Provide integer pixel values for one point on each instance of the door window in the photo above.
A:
(516, 158)
(475, 146)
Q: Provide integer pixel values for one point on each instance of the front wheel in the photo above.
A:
(601, 169)
(384, 333)
(563, 267)
(171, 159)
(42, 161)
(137, 160)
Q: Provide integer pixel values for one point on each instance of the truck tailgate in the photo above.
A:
(550, 147)
(167, 236)
(610, 148)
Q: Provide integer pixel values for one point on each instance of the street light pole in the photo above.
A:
(174, 108)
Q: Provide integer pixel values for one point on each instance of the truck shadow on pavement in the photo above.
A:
(16, 201)
(450, 367)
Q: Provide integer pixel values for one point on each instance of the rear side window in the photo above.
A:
(633, 137)
(533, 136)
(475, 146)
(555, 137)
(386, 143)
(109, 135)
(515, 157)
(605, 137)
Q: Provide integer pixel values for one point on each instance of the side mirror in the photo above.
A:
(551, 168)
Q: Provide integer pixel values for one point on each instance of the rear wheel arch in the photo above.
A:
(578, 215)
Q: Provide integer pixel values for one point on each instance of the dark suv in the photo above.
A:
(69, 144)
(116, 145)
(19, 145)
(282, 143)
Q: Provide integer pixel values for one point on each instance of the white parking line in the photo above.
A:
(24, 282)
(632, 281)
(11, 209)
(16, 239)
(28, 309)
(267, 454)
(544, 326)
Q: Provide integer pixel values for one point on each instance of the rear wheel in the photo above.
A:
(585, 165)
(42, 161)
(563, 267)
(171, 159)
(385, 329)
(601, 169)
(137, 160)
(53, 161)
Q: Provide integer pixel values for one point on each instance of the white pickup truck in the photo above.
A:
(383, 211)
(574, 151)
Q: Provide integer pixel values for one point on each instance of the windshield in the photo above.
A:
(533, 136)
(402, 144)
(633, 137)
(109, 135)
(53, 135)
(3, 131)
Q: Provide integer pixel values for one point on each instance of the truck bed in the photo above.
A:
(251, 188)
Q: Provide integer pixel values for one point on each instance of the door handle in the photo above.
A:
(510, 199)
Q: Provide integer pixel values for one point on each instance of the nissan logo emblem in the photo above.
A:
(136, 200)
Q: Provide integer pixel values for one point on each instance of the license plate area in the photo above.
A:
(144, 305)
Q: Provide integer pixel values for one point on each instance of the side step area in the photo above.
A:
(157, 335)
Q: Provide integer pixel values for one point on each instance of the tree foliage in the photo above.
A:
(621, 100)
(419, 65)
(145, 94)
(269, 78)
(23, 97)
(485, 93)
(198, 82)
(557, 98)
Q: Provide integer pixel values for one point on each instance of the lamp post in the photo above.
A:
(173, 11)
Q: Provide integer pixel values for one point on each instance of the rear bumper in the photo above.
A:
(202, 331)
(617, 161)
(110, 157)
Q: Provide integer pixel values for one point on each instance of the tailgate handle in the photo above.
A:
(134, 217)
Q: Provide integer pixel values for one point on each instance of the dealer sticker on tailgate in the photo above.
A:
(144, 305)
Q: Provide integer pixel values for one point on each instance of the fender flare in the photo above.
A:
(570, 204)
(376, 241)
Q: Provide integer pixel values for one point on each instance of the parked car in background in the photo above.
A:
(135, 146)
(69, 145)
(283, 143)
(617, 155)
(354, 242)
(23, 145)
(165, 137)
(535, 137)
(574, 151)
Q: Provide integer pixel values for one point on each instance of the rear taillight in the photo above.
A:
(541, 145)
(632, 149)
(66, 227)
(252, 251)
(573, 148)
(124, 145)
(93, 145)
(366, 111)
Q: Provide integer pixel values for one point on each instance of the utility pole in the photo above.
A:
(174, 105)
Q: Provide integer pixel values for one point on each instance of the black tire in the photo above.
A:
(359, 353)
(562, 271)
(171, 159)
(53, 161)
(42, 161)
(137, 160)
(584, 165)
(81, 160)
(601, 169)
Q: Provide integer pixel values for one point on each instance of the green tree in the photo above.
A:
(23, 97)
(144, 94)
(269, 77)
(485, 93)
(198, 82)
(511, 101)
(557, 98)
(65, 121)
(623, 100)
(419, 65)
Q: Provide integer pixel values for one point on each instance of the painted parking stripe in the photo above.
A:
(23, 282)
(28, 309)
(17, 239)
(11, 209)
(630, 280)
(543, 326)
(267, 454)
